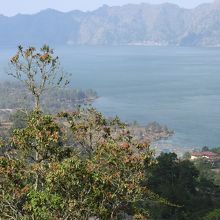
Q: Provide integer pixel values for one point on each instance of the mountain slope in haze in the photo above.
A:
(204, 28)
(165, 24)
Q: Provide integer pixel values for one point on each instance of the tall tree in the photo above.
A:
(39, 70)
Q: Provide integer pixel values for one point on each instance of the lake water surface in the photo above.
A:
(175, 86)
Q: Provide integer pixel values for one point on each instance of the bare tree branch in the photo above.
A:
(37, 70)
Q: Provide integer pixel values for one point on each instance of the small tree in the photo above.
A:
(38, 70)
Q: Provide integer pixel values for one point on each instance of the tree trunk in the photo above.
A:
(37, 102)
(37, 175)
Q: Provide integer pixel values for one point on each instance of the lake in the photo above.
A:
(175, 86)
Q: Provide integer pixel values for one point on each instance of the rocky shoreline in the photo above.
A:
(152, 132)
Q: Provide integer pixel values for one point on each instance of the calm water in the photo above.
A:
(179, 87)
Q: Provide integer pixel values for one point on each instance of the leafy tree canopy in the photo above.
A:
(98, 173)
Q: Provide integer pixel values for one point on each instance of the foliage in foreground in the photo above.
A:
(74, 166)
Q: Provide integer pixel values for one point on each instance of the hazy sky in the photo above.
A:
(12, 7)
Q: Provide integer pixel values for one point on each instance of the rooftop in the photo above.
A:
(205, 154)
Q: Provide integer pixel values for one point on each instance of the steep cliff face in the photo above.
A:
(165, 24)
(204, 28)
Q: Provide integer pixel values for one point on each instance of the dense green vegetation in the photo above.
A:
(81, 165)
(181, 183)
(78, 165)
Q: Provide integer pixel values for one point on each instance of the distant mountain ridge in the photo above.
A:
(142, 24)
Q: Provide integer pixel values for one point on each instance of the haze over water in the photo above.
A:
(175, 86)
